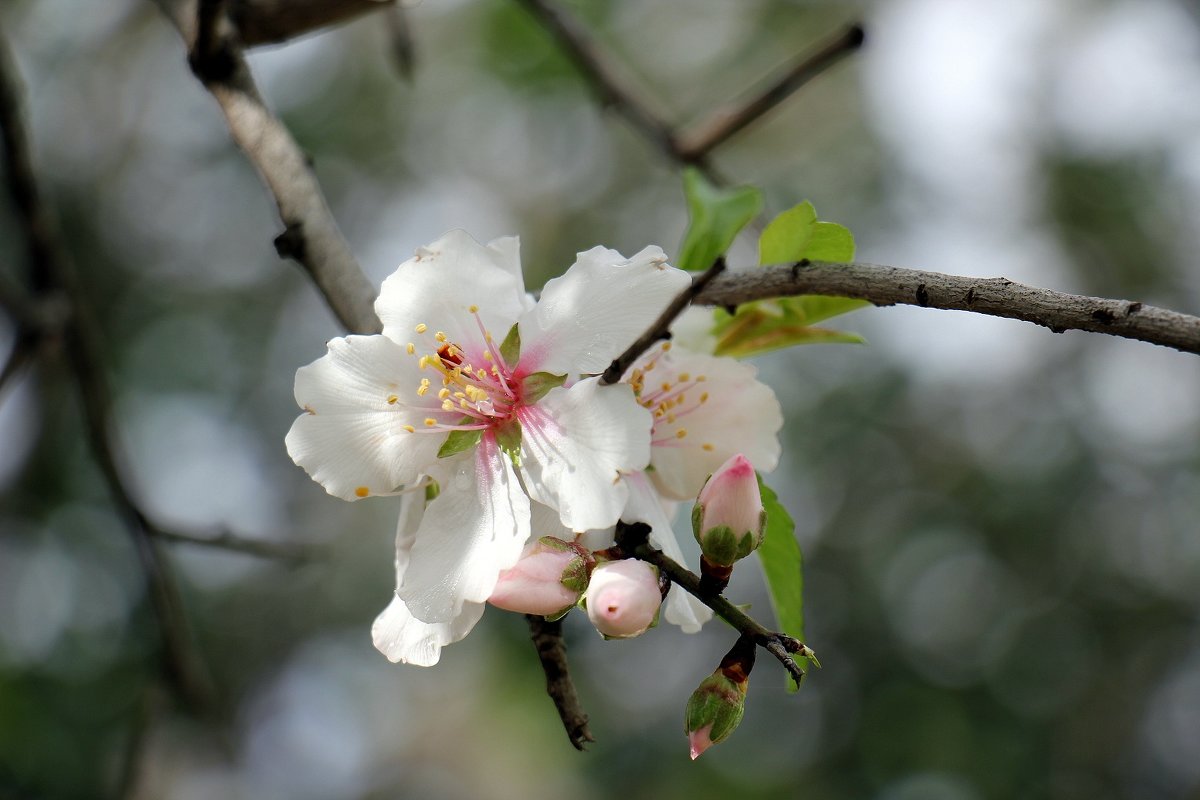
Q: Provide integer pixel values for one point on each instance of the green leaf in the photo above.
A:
(771, 324)
(797, 234)
(458, 441)
(784, 568)
(768, 325)
(535, 386)
(716, 216)
(508, 437)
(510, 348)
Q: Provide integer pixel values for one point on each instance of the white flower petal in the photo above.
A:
(404, 639)
(396, 632)
(475, 527)
(681, 608)
(740, 415)
(351, 440)
(443, 280)
(587, 317)
(575, 443)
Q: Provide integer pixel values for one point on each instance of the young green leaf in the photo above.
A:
(508, 437)
(784, 569)
(716, 216)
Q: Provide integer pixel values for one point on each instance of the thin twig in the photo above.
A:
(998, 297)
(661, 326)
(51, 272)
(311, 236)
(552, 651)
(633, 539)
(725, 122)
(289, 552)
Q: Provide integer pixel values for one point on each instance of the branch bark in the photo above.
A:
(311, 236)
(552, 651)
(998, 297)
(632, 539)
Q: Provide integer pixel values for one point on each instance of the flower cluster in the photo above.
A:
(482, 409)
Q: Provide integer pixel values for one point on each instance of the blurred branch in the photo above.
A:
(998, 297)
(272, 21)
(632, 538)
(52, 273)
(613, 91)
(403, 43)
(552, 651)
(725, 122)
(311, 236)
(661, 327)
(224, 539)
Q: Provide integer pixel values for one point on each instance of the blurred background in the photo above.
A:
(1000, 524)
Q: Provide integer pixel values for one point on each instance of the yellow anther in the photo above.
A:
(411, 348)
(443, 393)
(430, 422)
(684, 377)
(670, 419)
(424, 381)
(487, 356)
(410, 429)
(463, 404)
(421, 328)
(666, 387)
(422, 390)
(666, 346)
(392, 399)
(460, 395)
(447, 405)
(707, 446)
(703, 397)
(424, 362)
(362, 491)
(481, 374)
(441, 337)
(682, 432)
(701, 378)
(487, 337)
(473, 308)
(495, 370)
(659, 412)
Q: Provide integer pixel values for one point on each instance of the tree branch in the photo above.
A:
(272, 21)
(632, 539)
(552, 651)
(661, 326)
(51, 273)
(998, 297)
(311, 236)
(726, 122)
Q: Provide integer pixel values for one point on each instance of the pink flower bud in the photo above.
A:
(728, 519)
(623, 598)
(714, 710)
(547, 580)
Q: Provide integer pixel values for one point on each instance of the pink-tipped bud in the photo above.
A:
(547, 580)
(716, 707)
(623, 598)
(728, 519)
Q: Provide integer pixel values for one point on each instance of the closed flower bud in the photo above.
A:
(623, 598)
(728, 519)
(547, 580)
(716, 707)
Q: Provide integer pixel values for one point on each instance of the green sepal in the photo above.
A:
(557, 615)
(459, 441)
(537, 385)
(432, 490)
(715, 218)
(508, 438)
(510, 348)
(783, 567)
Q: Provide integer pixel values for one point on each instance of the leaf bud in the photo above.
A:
(716, 707)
